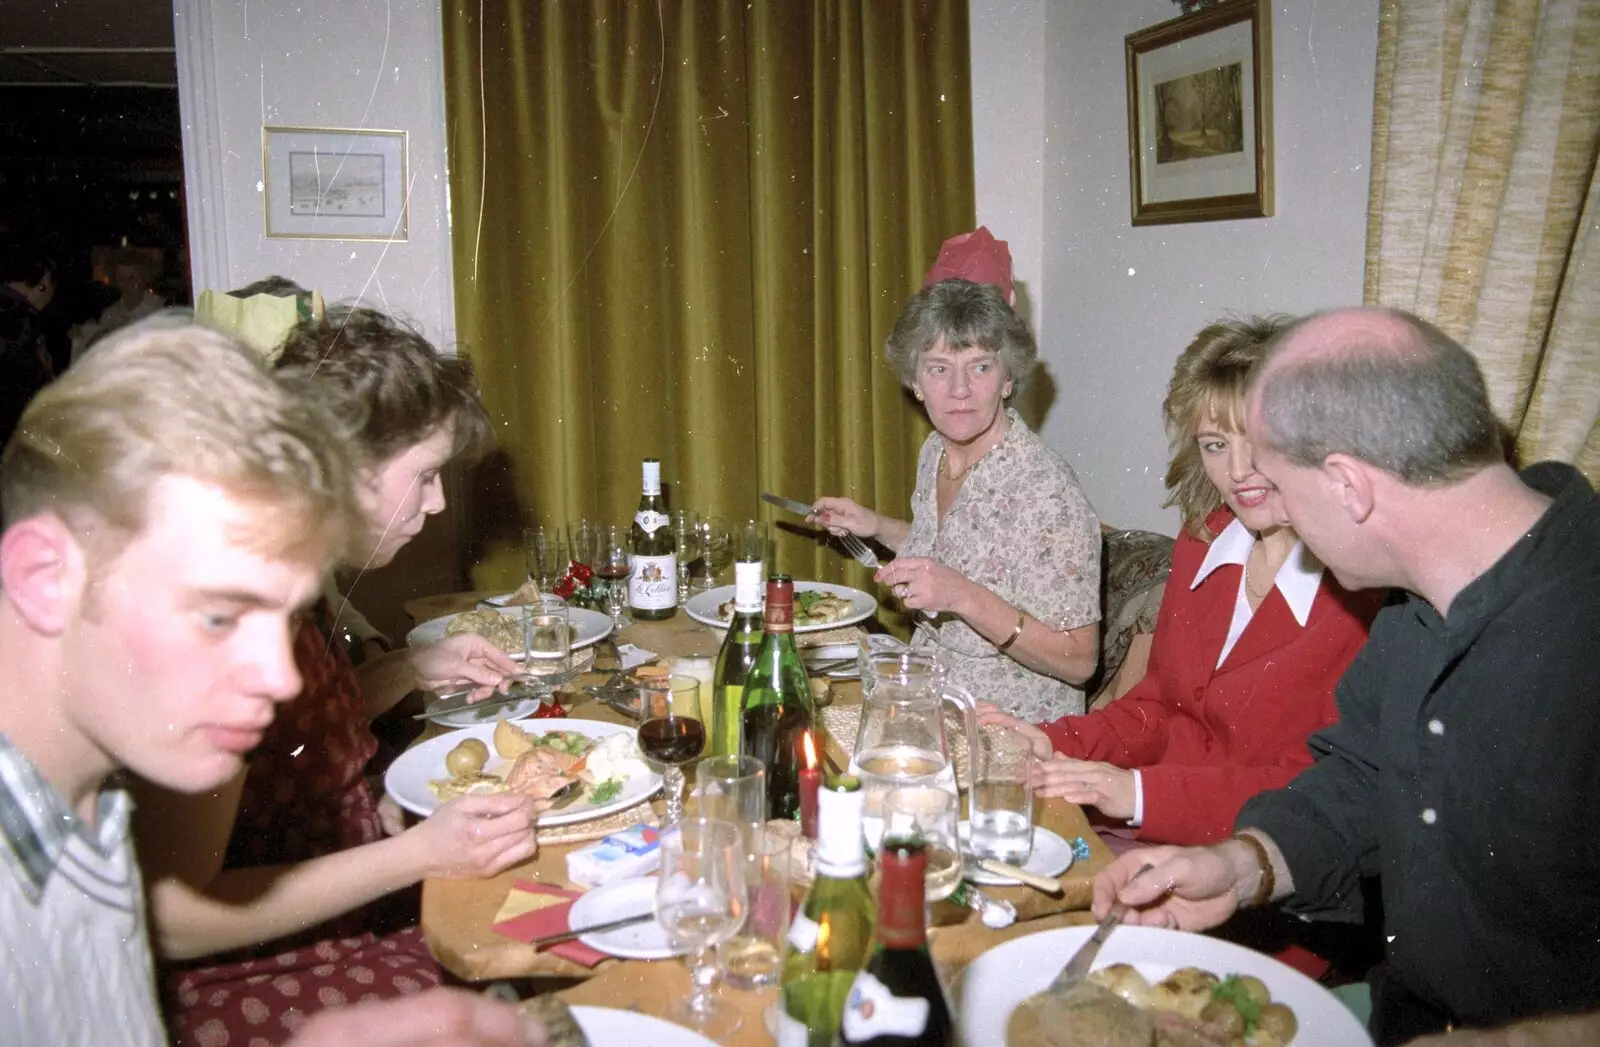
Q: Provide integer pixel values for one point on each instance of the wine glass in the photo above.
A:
(671, 733)
(691, 558)
(700, 902)
(926, 814)
(611, 566)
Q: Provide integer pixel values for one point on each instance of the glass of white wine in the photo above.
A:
(926, 814)
(700, 902)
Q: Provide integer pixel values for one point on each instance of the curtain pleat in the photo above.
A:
(1482, 215)
(684, 231)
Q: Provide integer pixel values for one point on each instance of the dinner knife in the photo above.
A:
(599, 928)
(454, 703)
(788, 504)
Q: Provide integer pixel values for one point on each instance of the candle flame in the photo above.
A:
(811, 751)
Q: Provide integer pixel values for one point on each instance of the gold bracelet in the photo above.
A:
(1022, 618)
(1269, 879)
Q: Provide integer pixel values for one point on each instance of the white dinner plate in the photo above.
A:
(472, 715)
(642, 941)
(1051, 856)
(407, 778)
(605, 1027)
(703, 607)
(1003, 977)
(588, 627)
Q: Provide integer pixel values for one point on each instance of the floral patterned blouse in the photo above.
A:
(1020, 527)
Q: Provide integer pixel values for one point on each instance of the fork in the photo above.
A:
(859, 550)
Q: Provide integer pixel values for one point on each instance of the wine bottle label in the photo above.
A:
(651, 522)
(653, 583)
(747, 587)
(792, 1032)
(874, 1011)
(803, 932)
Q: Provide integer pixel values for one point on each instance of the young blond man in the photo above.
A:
(167, 509)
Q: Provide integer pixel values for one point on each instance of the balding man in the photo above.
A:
(1462, 774)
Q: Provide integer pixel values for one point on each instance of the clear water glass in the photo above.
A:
(546, 635)
(1001, 799)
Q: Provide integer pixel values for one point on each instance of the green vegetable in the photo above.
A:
(808, 598)
(569, 742)
(605, 791)
(1249, 1008)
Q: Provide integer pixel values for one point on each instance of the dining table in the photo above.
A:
(457, 915)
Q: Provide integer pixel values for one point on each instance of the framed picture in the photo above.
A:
(334, 183)
(1200, 115)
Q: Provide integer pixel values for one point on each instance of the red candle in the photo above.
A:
(810, 782)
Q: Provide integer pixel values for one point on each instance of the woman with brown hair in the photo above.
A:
(287, 869)
(1252, 637)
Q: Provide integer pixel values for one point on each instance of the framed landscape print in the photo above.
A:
(1200, 115)
(334, 183)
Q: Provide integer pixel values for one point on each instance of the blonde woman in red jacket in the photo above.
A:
(1252, 637)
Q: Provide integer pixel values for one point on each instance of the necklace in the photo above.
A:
(944, 467)
(1251, 589)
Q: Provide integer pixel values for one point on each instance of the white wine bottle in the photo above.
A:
(830, 937)
(734, 659)
(653, 572)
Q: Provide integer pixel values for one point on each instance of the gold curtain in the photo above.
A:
(683, 230)
(1485, 202)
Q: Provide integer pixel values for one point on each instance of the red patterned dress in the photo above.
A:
(305, 796)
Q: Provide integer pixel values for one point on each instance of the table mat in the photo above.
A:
(597, 828)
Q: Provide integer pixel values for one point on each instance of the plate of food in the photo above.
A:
(574, 769)
(1209, 991)
(817, 606)
(502, 626)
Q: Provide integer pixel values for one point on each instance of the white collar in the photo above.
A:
(1298, 578)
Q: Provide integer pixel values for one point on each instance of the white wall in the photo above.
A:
(1008, 139)
(316, 63)
(1114, 305)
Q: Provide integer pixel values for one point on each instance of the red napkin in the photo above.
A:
(552, 919)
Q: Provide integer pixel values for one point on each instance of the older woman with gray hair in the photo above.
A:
(1002, 551)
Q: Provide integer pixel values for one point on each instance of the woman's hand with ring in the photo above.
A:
(924, 584)
(1087, 783)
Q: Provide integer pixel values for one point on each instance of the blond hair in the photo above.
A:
(160, 398)
(1209, 380)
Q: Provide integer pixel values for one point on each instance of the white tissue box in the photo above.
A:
(636, 851)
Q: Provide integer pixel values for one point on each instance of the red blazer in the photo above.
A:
(1206, 739)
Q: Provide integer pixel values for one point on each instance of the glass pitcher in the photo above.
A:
(901, 740)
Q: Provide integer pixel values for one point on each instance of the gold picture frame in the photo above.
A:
(1200, 116)
(334, 183)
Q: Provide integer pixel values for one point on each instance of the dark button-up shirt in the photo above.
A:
(1464, 772)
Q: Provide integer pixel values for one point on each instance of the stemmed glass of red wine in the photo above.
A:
(671, 733)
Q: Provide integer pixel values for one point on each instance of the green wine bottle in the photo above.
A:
(734, 660)
(831, 935)
(897, 1000)
(776, 711)
(653, 568)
